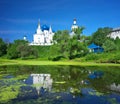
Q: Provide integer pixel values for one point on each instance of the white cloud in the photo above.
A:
(21, 21)
(2, 32)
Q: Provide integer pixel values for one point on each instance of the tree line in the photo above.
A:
(17, 49)
(64, 45)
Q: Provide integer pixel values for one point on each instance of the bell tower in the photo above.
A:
(74, 21)
(74, 26)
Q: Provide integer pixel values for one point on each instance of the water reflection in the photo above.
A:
(115, 87)
(61, 85)
(42, 82)
(95, 74)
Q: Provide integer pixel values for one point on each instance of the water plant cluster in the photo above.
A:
(70, 84)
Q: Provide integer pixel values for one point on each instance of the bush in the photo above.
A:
(3, 47)
(115, 59)
(109, 46)
(57, 58)
(21, 49)
(92, 56)
(43, 51)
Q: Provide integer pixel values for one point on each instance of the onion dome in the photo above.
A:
(44, 27)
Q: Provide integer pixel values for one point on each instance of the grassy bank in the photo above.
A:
(43, 51)
(37, 62)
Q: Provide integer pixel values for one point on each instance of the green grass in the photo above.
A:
(38, 62)
(43, 51)
(110, 57)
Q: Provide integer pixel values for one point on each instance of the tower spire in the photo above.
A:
(50, 29)
(39, 31)
(39, 23)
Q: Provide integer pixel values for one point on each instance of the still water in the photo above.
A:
(59, 85)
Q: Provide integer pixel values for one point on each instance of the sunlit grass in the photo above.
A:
(38, 62)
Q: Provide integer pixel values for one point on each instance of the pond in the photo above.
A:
(59, 85)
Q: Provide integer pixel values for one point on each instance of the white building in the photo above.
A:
(74, 27)
(25, 38)
(115, 33)
(43, 36)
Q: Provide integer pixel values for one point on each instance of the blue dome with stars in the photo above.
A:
(44, 27)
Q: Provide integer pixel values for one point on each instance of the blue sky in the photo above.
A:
(20, 17)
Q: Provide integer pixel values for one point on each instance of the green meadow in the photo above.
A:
(47, 62)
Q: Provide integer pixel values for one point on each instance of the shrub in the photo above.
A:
(21, 49)
(115, 59)
(92, 56)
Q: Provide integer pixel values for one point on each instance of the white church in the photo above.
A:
(43, 36)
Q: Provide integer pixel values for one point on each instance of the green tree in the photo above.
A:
(57, 36)
(12, 51)
(87, 40)
(100, 36)
(3, 47)
(67, 46)
(21, 49)
(78, 32)
(117, 43)
(61, 38)
(26, 51)
(76, 48)
(109, 46)
(55, 53)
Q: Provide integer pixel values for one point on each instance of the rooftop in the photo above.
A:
(44, 27)
(116, 29)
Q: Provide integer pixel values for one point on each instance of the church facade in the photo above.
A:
(43, 36)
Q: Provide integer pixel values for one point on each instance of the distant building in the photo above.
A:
(43, 36)
(115, 33)
(25, 38)
(74, 27)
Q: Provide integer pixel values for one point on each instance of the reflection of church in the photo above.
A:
(44, 35)
(42, 81)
